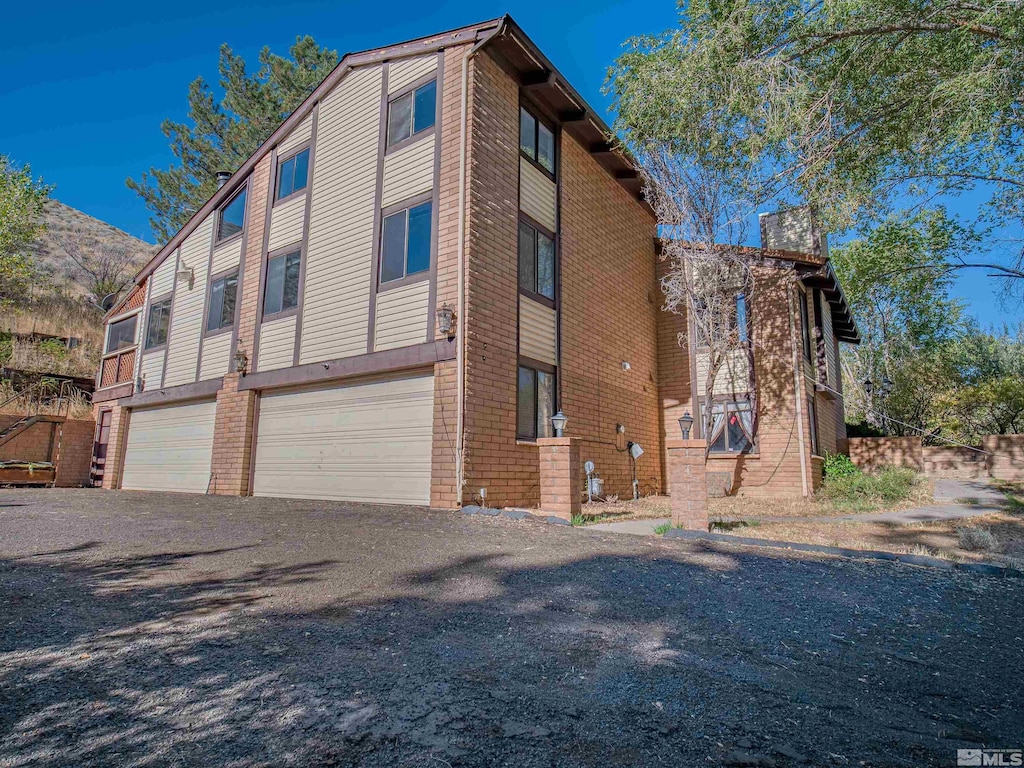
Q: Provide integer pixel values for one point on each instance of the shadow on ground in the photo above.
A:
(670, 656)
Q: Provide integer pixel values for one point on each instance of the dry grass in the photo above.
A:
(747, 507)
(45, 400)
(615, 509)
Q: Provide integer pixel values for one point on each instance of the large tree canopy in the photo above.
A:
(847, 104)
(220, 135)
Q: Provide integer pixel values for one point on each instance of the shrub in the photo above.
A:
(839, 465)
(977, 539)
(888, 485)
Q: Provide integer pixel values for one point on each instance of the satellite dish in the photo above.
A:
(108, 302)
(589, 467)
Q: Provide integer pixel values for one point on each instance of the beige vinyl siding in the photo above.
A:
(163, 276)
(408, 172)
(402, 316)
(170, 448)
(365, 441)
(536, 194)
(277, 343)
(407, 71)
(227, 256)
(152, 368)
(335, 320)
(286, 223)
(537, 331)
(733, 376)
(216, 350)
(831, 364)
(302, 133)
(187, 312)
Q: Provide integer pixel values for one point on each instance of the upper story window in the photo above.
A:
(222, 303)
(405, 243)
(731, 322)
(412, 113)
(731, 427)
(121, 334)
(536, 261)
(536, 141)
(282, 291)
(157, 323)
(231, 217)
(805, 322)
(292, 174)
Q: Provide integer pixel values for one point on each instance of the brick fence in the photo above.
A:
(69, 443)
(998, 456)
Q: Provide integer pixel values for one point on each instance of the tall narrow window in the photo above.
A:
(812, 424)
(536, 261)
(405, 243)
(231, 218)
(282, 291)
(157, 323)
(742, 328)
(806, 323)
(222, 303)
(536, 403)
(536, 141)
(412, 113)
(292, 174)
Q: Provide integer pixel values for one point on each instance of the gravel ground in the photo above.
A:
(162, 630)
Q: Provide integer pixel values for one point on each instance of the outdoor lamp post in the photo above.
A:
(558, 422)
(686, 424)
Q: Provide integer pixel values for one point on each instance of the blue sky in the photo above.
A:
(84, 95)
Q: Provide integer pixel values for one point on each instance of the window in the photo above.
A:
(292, 174)
(812, 422)
(806, 324)
(536, 141)
(735, 322)
(412, 113)
(731, 428)
(536, 403)
(222, 303)
(740, 318)
(231, 217)
(282, 290)
(536, 261)
(121, 334)
(405, 243)
(157, 323)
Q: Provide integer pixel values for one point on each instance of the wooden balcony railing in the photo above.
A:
(117, 367)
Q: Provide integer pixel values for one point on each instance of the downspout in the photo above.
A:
(460, 350)
(797, 382)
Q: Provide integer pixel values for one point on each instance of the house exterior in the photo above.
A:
(433, 254)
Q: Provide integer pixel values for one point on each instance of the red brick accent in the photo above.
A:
(117, 441)
(73, 452)
(560, 476)
(232, 439)
(687, 483)
(259, 186)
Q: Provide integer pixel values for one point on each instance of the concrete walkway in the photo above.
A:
(955, 499)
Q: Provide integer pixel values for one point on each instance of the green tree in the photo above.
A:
(21, 205)
(221, 135)
(846, 104)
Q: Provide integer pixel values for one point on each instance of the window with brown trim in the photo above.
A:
(806, 325)
(222, 303)
(231, 216)
(121, 334)
(812, 423)
(536, 140)
(292, 174)
(732, 427)
(282, 290)
(405, 243)
(536, 261)
(535, 402)
(412, 113)
(157, 323)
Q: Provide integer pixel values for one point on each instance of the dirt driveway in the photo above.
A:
(162, 630)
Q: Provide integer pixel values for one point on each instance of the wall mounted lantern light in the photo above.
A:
(446, 320)
(241, 361)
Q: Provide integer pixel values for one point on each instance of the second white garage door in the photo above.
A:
(368, 441)
(170, 448)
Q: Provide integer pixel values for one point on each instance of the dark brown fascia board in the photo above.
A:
(199, 390)
(387, 361)
(348, 62)
(115, 392)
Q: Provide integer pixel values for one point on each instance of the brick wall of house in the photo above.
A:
(259, 186)
(609, 309)
(232, 439)
(675, 385)
(74, 452)
(117, 440)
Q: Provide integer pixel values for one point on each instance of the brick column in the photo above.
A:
(687, 485)
(232, 439)
(560, 486)
(116, 443)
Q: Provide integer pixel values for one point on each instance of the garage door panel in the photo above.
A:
(170, 448)
(361, 442)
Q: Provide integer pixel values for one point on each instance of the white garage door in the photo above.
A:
(367, 441)
(170, 448)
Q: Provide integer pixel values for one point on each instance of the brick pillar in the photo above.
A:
(116, 442)
(687, 485)
(232, 439)
(560, 486)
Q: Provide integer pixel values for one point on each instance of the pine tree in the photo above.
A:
(220, 136)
